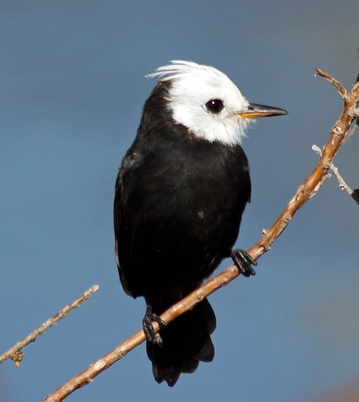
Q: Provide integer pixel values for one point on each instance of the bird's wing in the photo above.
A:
(119, 213)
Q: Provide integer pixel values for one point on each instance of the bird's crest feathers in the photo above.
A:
(178, 68)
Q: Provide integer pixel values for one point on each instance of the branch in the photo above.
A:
(342, 183)
(313, 182)
(15, 352)
(342, 91)
(308, 188)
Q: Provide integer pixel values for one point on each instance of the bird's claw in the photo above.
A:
(244, 262)
(150, 333)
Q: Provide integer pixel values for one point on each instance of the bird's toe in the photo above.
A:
(244, 262)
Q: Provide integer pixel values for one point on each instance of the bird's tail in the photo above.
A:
(186, 342)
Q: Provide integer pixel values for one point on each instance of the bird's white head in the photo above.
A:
(204, 100)
(208, 103)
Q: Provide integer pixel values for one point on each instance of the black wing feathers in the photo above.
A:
(178, 207)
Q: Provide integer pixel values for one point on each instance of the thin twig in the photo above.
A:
(342, 183)
(342, 91)
(349, 134)
(304, 192)
(15, 352)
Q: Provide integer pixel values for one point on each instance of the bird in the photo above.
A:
(180, 193)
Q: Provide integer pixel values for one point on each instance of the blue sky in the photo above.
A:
(72, 88)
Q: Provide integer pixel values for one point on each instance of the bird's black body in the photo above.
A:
(180, 194)
(178, 207)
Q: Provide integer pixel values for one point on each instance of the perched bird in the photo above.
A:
(180, 193)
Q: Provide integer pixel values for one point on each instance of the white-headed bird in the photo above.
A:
(180, 193)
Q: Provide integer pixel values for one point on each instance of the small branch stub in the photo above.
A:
(17, 358)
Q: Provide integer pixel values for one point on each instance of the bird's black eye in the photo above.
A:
(215, 106)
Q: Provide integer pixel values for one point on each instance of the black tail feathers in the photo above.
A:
(186, 342)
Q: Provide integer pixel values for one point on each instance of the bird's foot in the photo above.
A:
(150, 333)
(244, 262)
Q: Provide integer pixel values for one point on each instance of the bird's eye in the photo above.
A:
(215, 106)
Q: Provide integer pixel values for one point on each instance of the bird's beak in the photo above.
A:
(253, 111)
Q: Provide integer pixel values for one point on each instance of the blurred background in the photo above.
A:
(72, 88)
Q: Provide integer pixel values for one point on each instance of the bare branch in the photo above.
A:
(15, 352)
(309, 187)
(342, 91)
(342, 184)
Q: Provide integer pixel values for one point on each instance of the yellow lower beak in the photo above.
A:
(253, 111)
